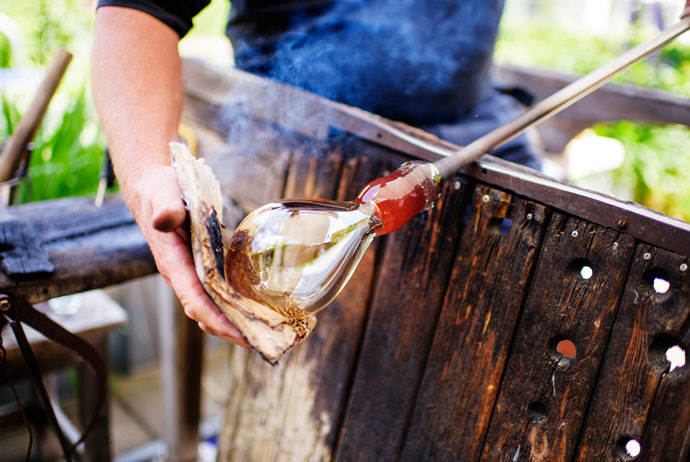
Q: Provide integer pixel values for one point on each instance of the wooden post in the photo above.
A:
(181, 357)
(98, 441)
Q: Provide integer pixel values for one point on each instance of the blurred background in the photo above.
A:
(648, 164)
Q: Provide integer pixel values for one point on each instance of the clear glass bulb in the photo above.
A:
(296, 255)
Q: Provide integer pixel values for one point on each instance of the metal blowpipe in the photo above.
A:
(558, 101)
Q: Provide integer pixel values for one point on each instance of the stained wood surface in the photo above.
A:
(539, 408)
(636, 396)
(447, 347)
(300, 402)
(408, 296)
(471, 345)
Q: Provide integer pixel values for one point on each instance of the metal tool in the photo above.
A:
(557, 102)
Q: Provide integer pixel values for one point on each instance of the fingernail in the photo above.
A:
(685, 13)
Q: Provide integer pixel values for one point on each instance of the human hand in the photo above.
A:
(686, 11)
(154, 198)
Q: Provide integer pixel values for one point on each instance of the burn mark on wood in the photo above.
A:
(214, 230)
(84, 257)
(21, 252)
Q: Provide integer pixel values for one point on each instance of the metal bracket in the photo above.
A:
(18, 310)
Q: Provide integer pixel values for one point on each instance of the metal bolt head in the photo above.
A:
(683, 267)
(574, 233)
(457, 185)
(529, 216)
(486, 198)
(647, 256)
(4, 302)
(615, 245)
(622, 223)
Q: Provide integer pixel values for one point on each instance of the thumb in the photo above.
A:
(167, 210)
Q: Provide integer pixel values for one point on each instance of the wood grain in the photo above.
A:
(299, 404)
(487, 289)
(634, 385)
(544, 393)
(407, 300)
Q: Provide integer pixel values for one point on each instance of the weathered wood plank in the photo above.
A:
(293, 412)
(90, 247)
(409, 294)
(181, 359)
(544, 392)
(487, 288)
(634, 383)
(671, 406)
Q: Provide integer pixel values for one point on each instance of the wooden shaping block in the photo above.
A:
(268, 332)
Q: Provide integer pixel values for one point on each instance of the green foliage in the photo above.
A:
(5, 52)
(212, 19)
(68, 147)
(657, 163)
(543, 46)
(10, 118)
(49, 24)
(66, 157)
(657, 158)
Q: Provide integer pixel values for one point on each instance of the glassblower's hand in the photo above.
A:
(155, 200)
(686, 11)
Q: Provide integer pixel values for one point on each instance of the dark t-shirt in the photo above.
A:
(422, 62)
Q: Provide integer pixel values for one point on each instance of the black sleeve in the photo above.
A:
(176, 14)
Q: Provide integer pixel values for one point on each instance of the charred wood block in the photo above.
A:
(20, 249)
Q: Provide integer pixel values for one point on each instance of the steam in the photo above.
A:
(421, 62)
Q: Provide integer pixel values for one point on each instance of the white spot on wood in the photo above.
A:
(553, 383)
(633, 448)
(636, 296)
(676, 356)
(661, 285)
(517, 454)
(586, 272)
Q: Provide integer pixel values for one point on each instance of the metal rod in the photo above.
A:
(557, 102)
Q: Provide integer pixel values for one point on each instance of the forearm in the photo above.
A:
(137, 90)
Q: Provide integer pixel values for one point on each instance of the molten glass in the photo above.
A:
(296, 255)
